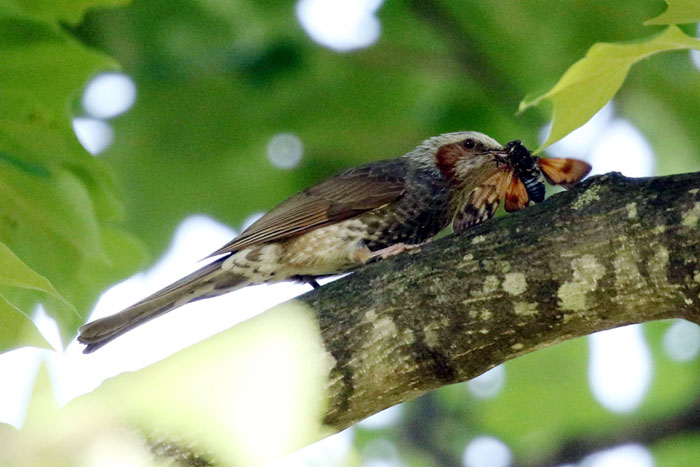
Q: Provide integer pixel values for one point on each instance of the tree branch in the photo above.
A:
(613, 251)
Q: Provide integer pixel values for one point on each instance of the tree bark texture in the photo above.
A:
(612, 251)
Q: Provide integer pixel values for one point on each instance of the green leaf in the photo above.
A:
(678, 12)
(247, 365)
(35, 123)
(15, 273)
(592, 81)
(244, 397)
(59, 204)
(58, 10)
(18, 329)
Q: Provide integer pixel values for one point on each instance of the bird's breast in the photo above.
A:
(327, 250)
(417, 216)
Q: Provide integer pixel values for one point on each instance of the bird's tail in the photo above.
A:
(206, 282)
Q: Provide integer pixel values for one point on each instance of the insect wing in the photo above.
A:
(564, 171)
(483, 201)
(516, 197)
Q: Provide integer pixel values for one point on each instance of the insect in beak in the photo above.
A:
(518, 179)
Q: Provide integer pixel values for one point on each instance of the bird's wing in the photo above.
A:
(341, 197)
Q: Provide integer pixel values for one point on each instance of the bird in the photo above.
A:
(365, 213)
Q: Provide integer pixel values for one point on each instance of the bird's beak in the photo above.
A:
(500, 155)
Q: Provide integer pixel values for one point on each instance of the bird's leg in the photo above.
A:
(304, 279)
(395, 249)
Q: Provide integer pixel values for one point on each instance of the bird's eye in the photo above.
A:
(469, 143)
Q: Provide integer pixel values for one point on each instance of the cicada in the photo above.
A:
(519, 179)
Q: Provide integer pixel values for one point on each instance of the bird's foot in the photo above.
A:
(393, 250)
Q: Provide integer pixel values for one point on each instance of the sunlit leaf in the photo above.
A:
(678, 12)
(592, 81)
(15, 273)
(59, 204)
(54, 437)
(231, 386)
(244, 397)
(17, 329)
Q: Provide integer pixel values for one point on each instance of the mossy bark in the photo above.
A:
(612, 251)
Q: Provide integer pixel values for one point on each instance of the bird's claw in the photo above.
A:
(393, 250)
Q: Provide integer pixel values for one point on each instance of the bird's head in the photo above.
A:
(457, 155)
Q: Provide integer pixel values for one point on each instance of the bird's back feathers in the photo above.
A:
(341, 197)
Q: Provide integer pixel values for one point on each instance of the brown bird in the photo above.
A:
(368, 212)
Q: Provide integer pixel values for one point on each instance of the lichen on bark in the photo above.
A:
(610, 252)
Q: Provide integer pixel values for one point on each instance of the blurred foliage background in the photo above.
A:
(216, 80)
